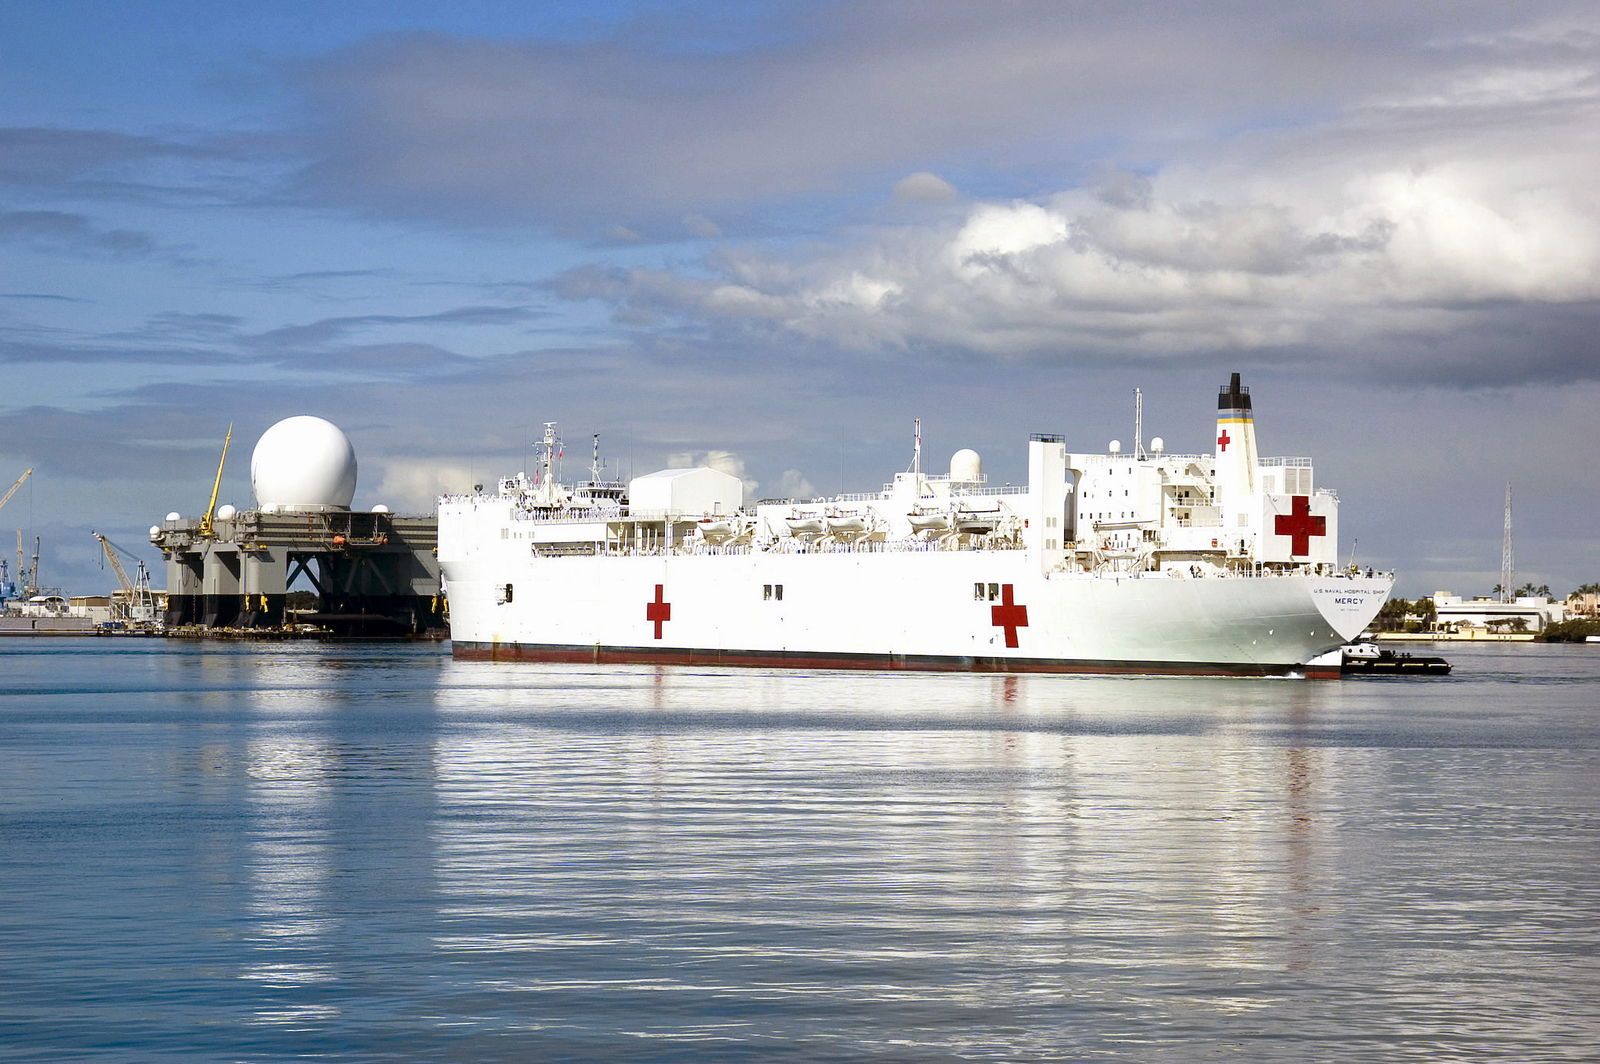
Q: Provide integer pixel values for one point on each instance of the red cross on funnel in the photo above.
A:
(1300, 526)
(1224, 440)
(658, 611)
(1008, 615)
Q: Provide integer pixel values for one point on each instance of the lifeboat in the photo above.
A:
(804, 524)
(931, 520)
(848, 524)
(717, 529)
(979, 522)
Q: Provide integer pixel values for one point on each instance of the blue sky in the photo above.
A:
(770, 235)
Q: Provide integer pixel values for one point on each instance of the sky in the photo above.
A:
(767, 236)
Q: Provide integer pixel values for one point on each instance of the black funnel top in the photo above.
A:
(1233, 397)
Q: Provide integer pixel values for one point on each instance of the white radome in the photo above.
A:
(227, 512)
(303, 463)
(966, 467)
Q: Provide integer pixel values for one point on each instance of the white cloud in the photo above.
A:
(923, 187)
(412, 486)
(793, 485)
(1410, 220)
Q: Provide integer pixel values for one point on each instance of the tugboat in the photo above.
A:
(1367, 657)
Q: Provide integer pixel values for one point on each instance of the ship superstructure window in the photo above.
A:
(977, 592)
(505, 595)
(770, 592)
(994, 592)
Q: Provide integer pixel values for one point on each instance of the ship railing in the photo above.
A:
(1279, 463)
(779, 545)
(1254, 571)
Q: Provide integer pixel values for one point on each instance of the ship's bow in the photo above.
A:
(1349, 604)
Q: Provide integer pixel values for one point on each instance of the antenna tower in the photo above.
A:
(1508, 557)
(1138, 424)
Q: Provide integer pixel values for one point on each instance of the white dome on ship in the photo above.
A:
(966, 467)
(303, 463)
(227, 512)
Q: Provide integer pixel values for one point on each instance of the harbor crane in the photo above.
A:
(14, 487)
(28, 578)
(138, 604)
(30, 585)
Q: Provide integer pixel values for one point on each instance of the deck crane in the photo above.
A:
(206, 531)
(138, 603)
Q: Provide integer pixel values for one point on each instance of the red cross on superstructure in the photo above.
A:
(1008, 615)
(658, 611)
(1300, 526)
(1223, 440)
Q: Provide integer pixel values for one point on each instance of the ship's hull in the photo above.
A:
(983, 611)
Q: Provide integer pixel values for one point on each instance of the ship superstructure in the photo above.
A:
(1143, 561)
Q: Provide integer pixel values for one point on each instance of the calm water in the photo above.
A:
(223, 853)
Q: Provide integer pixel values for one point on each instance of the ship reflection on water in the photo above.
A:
(833, 830)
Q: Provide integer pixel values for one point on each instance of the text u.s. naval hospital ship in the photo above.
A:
(1223, 563)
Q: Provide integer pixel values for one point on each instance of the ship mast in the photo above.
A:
(1138, 424)
(548, 458)
(1508, 558)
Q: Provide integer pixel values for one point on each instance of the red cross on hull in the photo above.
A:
(1299, 525)
(1008, 615)
(658, 611)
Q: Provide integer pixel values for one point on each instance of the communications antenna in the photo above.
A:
(1138, 424)
(1508, 557)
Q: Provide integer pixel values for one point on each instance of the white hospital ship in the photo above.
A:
(1221, 563)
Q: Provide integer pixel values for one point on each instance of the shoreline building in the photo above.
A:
(1452, 613)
